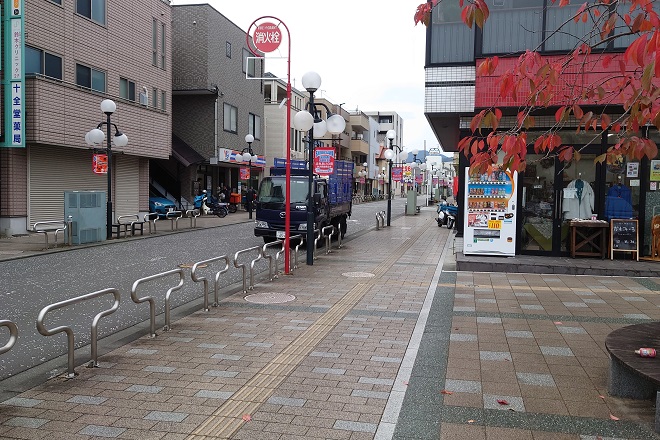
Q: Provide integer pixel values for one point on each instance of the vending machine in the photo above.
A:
(490, 212)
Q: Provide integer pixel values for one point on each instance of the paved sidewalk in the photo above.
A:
(374, 341)
(30, 244)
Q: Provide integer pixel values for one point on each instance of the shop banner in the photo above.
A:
(245, 174)
(434, 181)
(397, 174)
(324, 160)
(100, 163)
(419, 178)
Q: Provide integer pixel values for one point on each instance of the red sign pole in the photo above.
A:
(266, 47)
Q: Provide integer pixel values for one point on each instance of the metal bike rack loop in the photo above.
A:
(198, 279)
(69, 332)
(317, 237)
(13, 335)
(152, 302)
(192, 214)
(242, 266)
(296, 250)
(264, 255)
(328, 237)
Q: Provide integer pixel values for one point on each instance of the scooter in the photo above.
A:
(447, 215)
(210, 205)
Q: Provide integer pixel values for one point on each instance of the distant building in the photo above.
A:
(218, 98)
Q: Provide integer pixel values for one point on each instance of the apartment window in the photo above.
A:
(154, 42)
(59, 2)
(385, 119)
(248, 64)
(162, 100)
(230, 118)
(154, 98)
(126, 89)
(228, 49)
(90, 78)
(39, 62)
(92, 9)
(254, 125)
(162, 45)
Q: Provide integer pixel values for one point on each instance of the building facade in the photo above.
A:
(218, 98)
(74, 58)
(454, 94)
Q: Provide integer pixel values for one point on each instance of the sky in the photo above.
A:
(369, 54)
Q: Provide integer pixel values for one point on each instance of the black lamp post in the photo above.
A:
(314, 125)
(247, 157)
(96, 137)
(389, 155)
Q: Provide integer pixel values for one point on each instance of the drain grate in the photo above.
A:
(269, 298)
(358, 274)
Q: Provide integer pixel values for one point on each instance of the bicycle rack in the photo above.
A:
(198, 279)
(193, 214)
(328, 237)
(242, 266)
(264, 255)
(13, 335)
(150, 299)
(174, 217)
(380, 220)
(150, 219)
(317, 237)
(69, 332)
(296, 250)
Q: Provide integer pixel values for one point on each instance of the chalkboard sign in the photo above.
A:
(624, 237)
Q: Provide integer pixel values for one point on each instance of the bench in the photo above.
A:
(631, 375)
(128, 222)
(50, 226)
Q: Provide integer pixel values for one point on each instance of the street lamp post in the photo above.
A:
(248, 156)
(96, 137)
(314, 125)
(389, 155)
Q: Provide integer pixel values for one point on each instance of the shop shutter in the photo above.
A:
(53, 170)
(126, 191)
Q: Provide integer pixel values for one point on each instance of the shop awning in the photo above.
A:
(184, 153)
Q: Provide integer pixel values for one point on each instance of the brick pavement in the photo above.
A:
(376, 342)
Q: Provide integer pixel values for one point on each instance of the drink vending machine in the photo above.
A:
(490, 212)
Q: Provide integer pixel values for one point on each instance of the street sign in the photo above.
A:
(267, 37)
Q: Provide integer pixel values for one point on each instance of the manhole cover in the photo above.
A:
(358, 274)
(269, 298)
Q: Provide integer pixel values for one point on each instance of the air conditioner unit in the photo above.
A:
(87, 211)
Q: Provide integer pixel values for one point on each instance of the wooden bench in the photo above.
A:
(126, 223)
(631, 375)
(50, 226)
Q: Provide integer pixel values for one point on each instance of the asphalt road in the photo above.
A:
(27, 285)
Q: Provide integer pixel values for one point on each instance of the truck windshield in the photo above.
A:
(273, 190)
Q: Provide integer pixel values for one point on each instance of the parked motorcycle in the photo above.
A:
(210, 205)
(447, 215)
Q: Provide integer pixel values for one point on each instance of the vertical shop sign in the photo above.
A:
(397, 174)
(324, 160)
(14, 82)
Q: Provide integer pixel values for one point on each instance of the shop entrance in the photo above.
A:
(552, 193)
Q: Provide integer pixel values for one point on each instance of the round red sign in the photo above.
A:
(267, 37)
